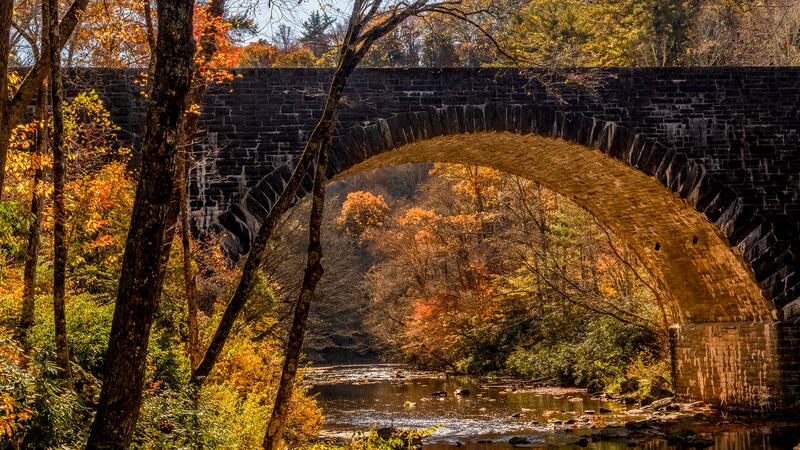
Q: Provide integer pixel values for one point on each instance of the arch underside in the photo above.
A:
(707, 279)
(714, 253)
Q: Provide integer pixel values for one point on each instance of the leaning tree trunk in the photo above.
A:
(59, 207)
(319, 138)
(313, 273)
(147, 246)
(32, 251)
(353, 50)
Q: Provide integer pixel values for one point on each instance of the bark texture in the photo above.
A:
(32, 250)
(6, 9)
(151, 229)
(59, 207)
(312, 275)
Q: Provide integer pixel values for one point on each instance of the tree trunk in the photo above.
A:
(59, 210)
(313, 273)
(32, 252)
(15, 108)
(189, 277)
(147, 245)
(208, 49)
(6, 9)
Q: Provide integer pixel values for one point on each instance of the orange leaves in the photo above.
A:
(361, 212)
(215, 51)
(479, 184)
(262, 54)
(12, 417)
(98, 206)
(111, 34)
(419, 218)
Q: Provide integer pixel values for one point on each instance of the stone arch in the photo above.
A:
(718, 258)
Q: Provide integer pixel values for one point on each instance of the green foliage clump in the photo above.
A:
(36, 409)
(174, 419)
(88, 327)
(595, 357)
(14, 222)
(384, 439)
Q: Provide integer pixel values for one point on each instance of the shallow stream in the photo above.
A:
(359, 398)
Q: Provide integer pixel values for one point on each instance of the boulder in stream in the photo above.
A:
(517, 441)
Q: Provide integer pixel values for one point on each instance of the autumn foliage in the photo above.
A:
(361, 212)
(489, 272)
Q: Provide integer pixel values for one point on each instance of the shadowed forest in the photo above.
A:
(122, 328)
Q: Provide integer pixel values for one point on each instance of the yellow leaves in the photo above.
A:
(418, 217)
(302, 57)
(14, 79)
(362, 211)
(261, 54)
(12, 419)
(580, 33)
(112, 34)
(193, 109)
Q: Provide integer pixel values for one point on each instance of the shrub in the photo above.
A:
(595, 358)
(14, 223)
(36, 409)
(171, 419)
(88, 327)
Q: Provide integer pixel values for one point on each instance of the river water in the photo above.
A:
(363, 397)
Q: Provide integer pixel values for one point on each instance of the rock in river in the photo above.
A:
(516, 440)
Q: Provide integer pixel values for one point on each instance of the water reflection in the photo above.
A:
(357, 398)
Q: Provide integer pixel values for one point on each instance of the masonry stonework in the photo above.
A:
(736, 364)
(698, 169)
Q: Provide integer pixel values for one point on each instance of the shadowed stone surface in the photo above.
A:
(698, 169)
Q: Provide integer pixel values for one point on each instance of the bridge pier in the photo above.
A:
(747, 366)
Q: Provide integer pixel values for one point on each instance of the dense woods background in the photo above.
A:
(450, 267)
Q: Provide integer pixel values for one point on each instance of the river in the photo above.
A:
(496, 411)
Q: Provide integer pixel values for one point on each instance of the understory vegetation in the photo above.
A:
(39, 409)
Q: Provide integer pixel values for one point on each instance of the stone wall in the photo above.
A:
(738, 364)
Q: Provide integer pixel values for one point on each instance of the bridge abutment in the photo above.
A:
(749, 366)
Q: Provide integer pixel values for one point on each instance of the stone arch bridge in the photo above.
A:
(697, 169)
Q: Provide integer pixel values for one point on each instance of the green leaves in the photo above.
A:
(15, 220)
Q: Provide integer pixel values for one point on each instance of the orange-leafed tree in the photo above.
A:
(361, 212)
